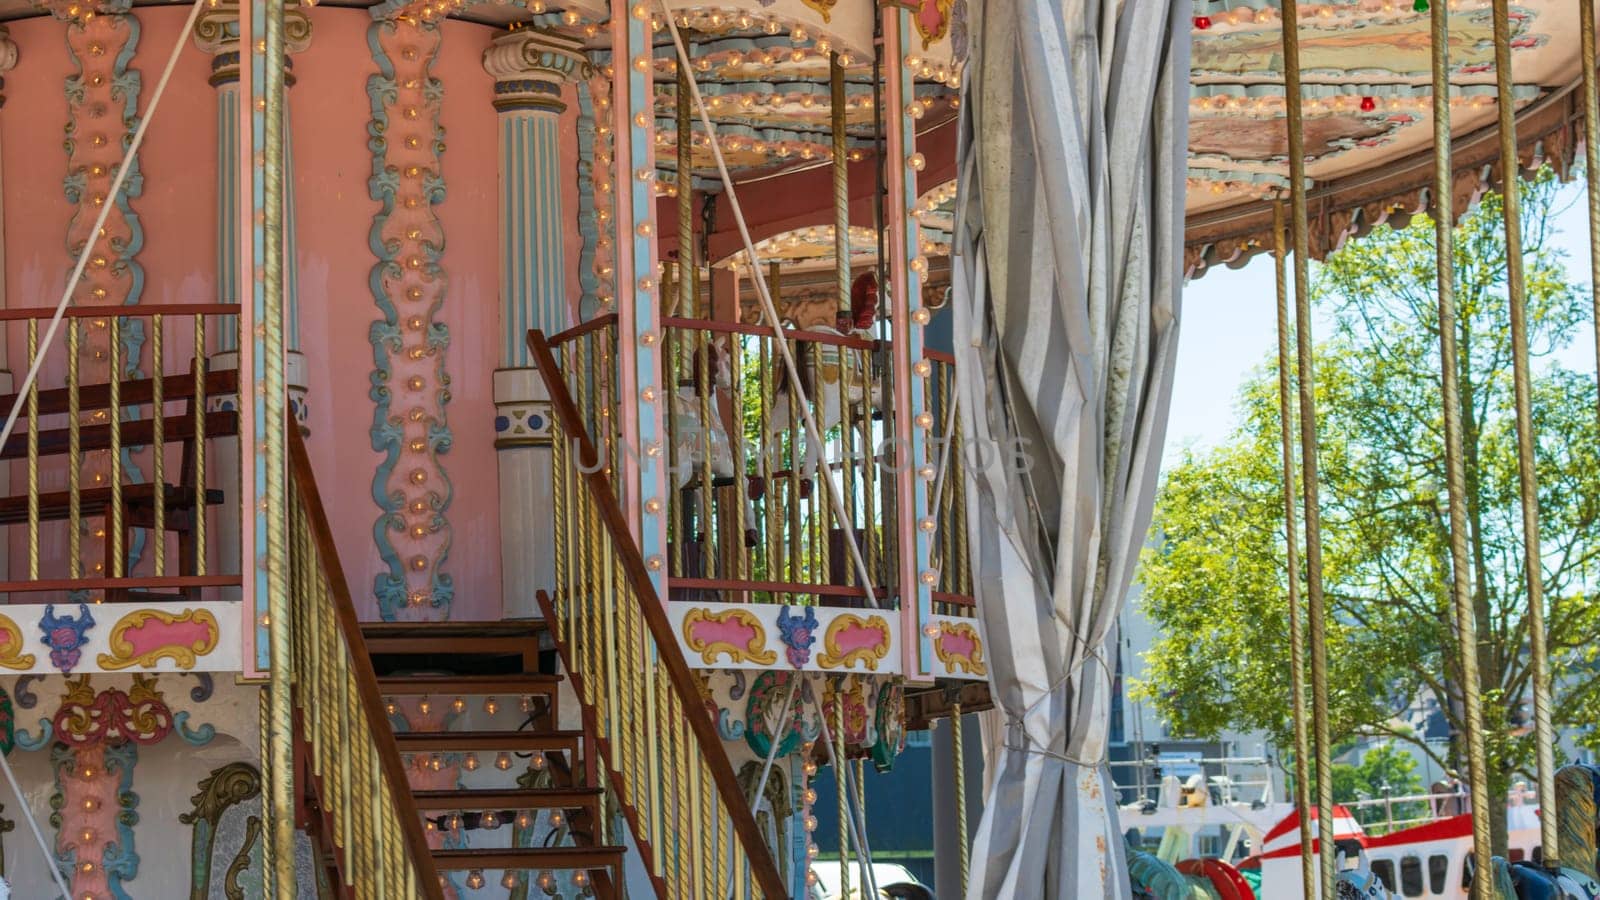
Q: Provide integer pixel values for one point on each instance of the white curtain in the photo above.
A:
(1067, 279)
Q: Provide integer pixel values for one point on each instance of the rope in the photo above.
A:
(858, 823)
(99, 225)
(767, 306)
(33, 824)
(961, 793)
(49, 337)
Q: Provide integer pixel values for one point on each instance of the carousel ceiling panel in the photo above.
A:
(1368, 96)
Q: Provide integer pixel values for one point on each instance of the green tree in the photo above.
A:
(1214, 577)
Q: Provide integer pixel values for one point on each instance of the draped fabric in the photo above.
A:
(1067, 273)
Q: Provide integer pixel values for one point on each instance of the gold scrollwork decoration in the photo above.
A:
(736, 632)
(823, 8)
(851, 639)
(968, 658)
(197, 635)
(11, 644)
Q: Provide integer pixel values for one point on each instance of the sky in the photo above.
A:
(1229, 329)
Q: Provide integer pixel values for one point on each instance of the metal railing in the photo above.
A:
(748, 512)
(101, 506)
(368, 817)
(664, 765)
(952, 596)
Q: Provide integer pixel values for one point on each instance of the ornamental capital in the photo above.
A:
(217, 33)
(529, 68)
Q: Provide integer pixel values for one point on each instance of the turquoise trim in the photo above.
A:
(588, 222)
(388, 430)
(118, 860)
(919, 436)
(646, 305)
(227, 336)
(258, 341)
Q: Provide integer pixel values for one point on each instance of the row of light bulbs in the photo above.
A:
(546, 880)
(491, 705)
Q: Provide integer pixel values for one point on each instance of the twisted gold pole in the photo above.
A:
(960, 787)
(841, 783)
(281, 787)
(33, 454)
(1455, 469)
(1316, 609)
(1527, 475)
(1297, 650)
(1591, 148)
(841, 178)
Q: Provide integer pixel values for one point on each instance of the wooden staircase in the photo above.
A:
(514, 772)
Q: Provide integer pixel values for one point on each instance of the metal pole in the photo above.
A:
(1527, 476)
(1591, 148)
(1455, 468)
(1315, 607)
(1297, 650)
(841, 179)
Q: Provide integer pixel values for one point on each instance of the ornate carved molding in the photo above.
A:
(530, 67)
(410, 385)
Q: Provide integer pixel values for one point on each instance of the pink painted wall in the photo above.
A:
(330, 111)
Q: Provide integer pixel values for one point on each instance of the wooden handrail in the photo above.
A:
(815, 337)
(939, 356)
(578, 331)
(141, 311)
(372, 708)
(669, 654)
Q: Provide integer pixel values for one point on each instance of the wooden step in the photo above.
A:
(93, 502)
(464, 741)
(136, 392)
(460, 640)
(554, 858)
(510, 798)
(469, 685)
(489, 629)
(136, 433)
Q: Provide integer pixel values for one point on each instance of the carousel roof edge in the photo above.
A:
(1549, 132)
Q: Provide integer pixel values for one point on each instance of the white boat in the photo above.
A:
(1427, 859)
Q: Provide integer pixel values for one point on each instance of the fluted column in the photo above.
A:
(217, 33)
(529, 69)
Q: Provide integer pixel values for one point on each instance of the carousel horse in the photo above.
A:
(690, 437)
(832, 377)
(1534, 882)
(1577, 788)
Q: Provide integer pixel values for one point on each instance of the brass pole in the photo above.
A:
(1527, 475)
(1455, 468)
(841, 179)
(281, 801)
(1316, 609)
(1297, 640)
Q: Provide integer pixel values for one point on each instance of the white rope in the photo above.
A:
(33, 825)
(858, 816)
(768, 309)
(99, 224)
(49, 337)
(766, 768)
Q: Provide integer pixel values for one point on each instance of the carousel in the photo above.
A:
(509, 448)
